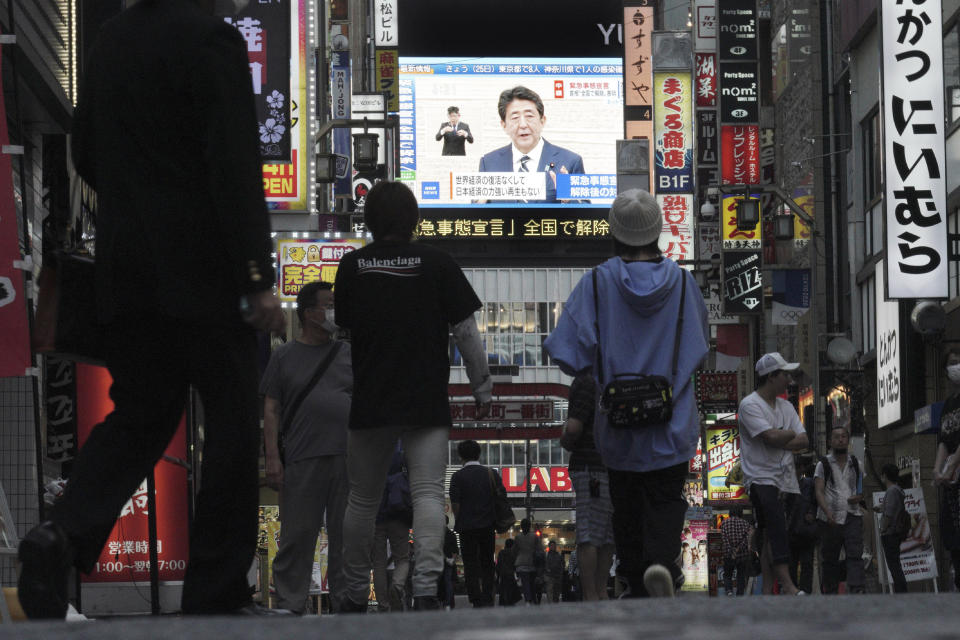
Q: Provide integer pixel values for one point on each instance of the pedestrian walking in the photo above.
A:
(947, 463)
(770, 431)
(839, 489)
(735, 536)
(894, 524)
(640, 313)
(401, 300)
(161, 211)
(526, 546)
(472, 492)
(553, 573)
(506, 572)
(591, 485)
(451, 549)
(307, 388)
(802, 530)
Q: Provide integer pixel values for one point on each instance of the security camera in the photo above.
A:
(708, 212)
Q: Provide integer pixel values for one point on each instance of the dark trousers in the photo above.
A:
(476, 549)
(527, 580)
(731, 566)
(648, 513)
(152, 362)
(891, 553)
(801, 562)
(848, 536)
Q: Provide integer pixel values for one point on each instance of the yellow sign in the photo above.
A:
(388, 71)
(732, 237)
(723, 451)
(300, 261)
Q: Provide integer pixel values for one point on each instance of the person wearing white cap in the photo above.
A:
(770, 431)
(648, 317)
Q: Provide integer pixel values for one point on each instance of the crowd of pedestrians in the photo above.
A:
(356, 435)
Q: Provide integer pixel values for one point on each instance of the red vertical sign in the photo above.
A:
(126, 556)
(14, 329)
(741, 154)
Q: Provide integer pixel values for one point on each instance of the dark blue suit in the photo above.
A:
(502, 160)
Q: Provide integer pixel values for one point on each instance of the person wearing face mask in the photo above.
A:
(948, 462)
(307, 389)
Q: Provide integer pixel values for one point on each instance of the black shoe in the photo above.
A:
(45, 559)
(254, 609)
(349, 606)
(426, 603)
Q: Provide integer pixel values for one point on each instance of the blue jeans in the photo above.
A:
(369, 452)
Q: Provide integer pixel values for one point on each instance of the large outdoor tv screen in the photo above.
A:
(467, 158)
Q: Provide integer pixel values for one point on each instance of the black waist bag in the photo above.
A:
(637, 400)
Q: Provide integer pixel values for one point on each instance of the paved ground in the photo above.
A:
(755, 618)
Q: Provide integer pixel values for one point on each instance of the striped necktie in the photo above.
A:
(523, 163)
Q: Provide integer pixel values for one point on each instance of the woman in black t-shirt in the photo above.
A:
(947, 464)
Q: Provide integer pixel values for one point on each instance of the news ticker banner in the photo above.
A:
(277, 41)
(577, 225)
(304, 260)
(126, 555)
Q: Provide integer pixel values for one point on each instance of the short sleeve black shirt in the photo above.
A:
(398, 300)
(582, 405)
(950, 423)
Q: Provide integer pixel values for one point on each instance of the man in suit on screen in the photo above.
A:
(521, 116)
(455, 134)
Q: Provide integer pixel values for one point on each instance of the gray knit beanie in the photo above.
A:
(635, 218)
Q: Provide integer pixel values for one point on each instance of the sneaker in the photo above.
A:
(254, 609)
(729, 593)
(45, 559)
(426, 603)
(658, 582)
(801, 592)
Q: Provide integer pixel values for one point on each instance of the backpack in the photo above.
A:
(397, 500)
(828, 468)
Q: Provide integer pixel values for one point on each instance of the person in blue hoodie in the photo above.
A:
(639, 303)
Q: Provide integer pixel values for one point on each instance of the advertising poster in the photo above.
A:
(717, 391)
(917, 555)
(791, 295)
(742, 282)
(723, 450)
(300, 261)
(126, 555)
(738, 30)
(673, 130)
(693, 550)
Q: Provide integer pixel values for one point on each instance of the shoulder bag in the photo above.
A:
(291, 411)
(637, 400)
(502, 512)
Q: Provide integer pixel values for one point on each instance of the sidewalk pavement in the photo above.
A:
(914, 616)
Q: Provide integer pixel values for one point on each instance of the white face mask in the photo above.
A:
(328, 324)
(953, 372)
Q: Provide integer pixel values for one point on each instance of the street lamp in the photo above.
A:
(783, 226)
(365, 150)
(748, 214)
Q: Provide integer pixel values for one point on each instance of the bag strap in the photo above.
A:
(291, 411)
(676, 338)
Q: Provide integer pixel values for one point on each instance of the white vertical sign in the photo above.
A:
(385, 23)
(888, 355)
(705, 22)
(914, 156)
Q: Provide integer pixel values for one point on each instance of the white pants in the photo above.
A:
(369, 452)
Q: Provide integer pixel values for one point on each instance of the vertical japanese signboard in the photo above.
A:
(276, 37)
(674, 132)
(731, 236)
(676, 240)
(386, 61)
(741, 154)
(707, 139)
(742, 282)
(638, 72)
(706, 79)
(914, 164)
(705, 37)
(888, 355)
(737, 30)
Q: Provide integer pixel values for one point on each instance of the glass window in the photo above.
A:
(543, 453)
(531, 348)
(872, 154)
(493, 453)
(491, 317)
(530, 317)
(519, 454)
